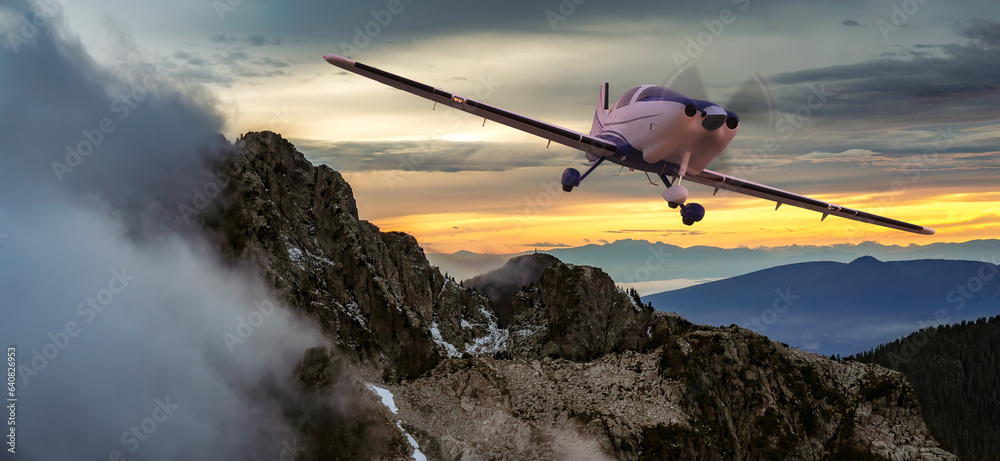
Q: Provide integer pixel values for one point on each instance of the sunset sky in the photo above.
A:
(910, 131)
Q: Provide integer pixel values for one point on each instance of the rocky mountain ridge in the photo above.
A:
(572, 367)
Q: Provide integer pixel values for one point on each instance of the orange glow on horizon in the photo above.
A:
(729, 223)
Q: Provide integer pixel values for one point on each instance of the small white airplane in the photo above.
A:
(649, 128)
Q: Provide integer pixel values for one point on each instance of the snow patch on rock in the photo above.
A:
(495, 339)
(390, 402)
(450, 350)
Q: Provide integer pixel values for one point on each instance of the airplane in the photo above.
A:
(649, 128)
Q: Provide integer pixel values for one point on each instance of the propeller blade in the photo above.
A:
(753, 102)
(687, 80)
(754, 105)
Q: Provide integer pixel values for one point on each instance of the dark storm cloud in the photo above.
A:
(260, 40)
(687, 232)
(629, 231)
(359, 24)
(224, 66)
(72, 125)
(230, 59)
(335, 21)
(117, 318)
(949, 84)
(190, 60)
(983, 32)
(252, 40)
(661, 232)
(444, 156)
(546, 244)
(237, 55)
(273, 62)
(872, 96)
(956, 146)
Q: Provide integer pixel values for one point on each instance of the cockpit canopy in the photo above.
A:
(654, 93)
(646, 93)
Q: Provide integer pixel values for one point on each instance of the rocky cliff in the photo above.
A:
(560, 364)
(372, 291)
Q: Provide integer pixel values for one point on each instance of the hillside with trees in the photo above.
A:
(954, 373)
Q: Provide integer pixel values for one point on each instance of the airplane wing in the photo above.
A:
(732, 183)
(602, 148)
(566, 137)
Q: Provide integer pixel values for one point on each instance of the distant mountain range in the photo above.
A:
(837, 308)
(629, 261)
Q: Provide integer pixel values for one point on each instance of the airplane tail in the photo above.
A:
(602, 111)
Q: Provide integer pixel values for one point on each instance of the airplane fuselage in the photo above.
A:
(660, 130)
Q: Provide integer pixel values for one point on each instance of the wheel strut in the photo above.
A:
(592, 167)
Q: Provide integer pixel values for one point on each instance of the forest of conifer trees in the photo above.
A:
(954, 372)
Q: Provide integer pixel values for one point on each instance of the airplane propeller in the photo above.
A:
(748, 102)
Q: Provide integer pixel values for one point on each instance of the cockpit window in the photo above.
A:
(658, 92)
(626, 98)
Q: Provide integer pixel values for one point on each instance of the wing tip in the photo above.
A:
(338, 61)
(927, 231)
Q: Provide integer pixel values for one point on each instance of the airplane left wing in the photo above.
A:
(732, 183)
(564, 136)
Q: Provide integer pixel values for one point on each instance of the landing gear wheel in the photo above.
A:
(692, 213)
(672, 205)
(570, 179)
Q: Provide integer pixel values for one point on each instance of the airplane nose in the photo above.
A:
(713, 122)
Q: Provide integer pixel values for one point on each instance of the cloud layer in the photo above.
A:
(129, 336)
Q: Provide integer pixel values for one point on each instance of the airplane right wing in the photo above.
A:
(564, 136)
(732, 183)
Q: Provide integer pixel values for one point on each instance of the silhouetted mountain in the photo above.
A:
(630, 261)
(466, 264)
(837, 308)
(954, 373)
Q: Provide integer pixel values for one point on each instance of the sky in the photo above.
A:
(908, 128)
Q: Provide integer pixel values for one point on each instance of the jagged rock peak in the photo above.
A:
(373, 292)
(519, 270)
(500, 284)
